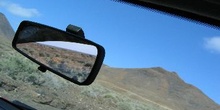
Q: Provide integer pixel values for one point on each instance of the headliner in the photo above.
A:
(206, 11)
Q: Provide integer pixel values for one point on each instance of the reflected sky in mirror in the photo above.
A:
(84, 48)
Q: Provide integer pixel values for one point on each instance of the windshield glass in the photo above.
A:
(154, 61)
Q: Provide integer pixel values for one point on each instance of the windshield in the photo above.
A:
(154, 61)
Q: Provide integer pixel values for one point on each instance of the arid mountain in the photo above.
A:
(157, 85)
(6, 33)
(114, 88)
(5, 27)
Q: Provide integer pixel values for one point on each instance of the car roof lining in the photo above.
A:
(206, 11)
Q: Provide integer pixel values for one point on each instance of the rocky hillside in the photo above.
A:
(114, 88)
(158, 86)
(5, 27)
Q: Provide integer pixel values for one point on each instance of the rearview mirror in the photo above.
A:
(67, 55)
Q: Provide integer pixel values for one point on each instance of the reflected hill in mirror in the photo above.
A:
(72, 64)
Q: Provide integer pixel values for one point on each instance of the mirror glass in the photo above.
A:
(66, 54)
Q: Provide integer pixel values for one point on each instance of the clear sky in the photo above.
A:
(133, 37)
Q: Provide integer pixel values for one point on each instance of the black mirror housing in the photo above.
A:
(66, 54)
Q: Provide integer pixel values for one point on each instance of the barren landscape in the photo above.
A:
(114, 89)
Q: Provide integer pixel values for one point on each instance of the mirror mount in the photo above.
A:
(42, 68)
(75, 30)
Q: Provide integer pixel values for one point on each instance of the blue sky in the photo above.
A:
(134, 37)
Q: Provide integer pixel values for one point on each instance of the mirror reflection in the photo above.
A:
(73, 60)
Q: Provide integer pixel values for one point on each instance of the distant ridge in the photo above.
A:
(5, 28)
(156, 85)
